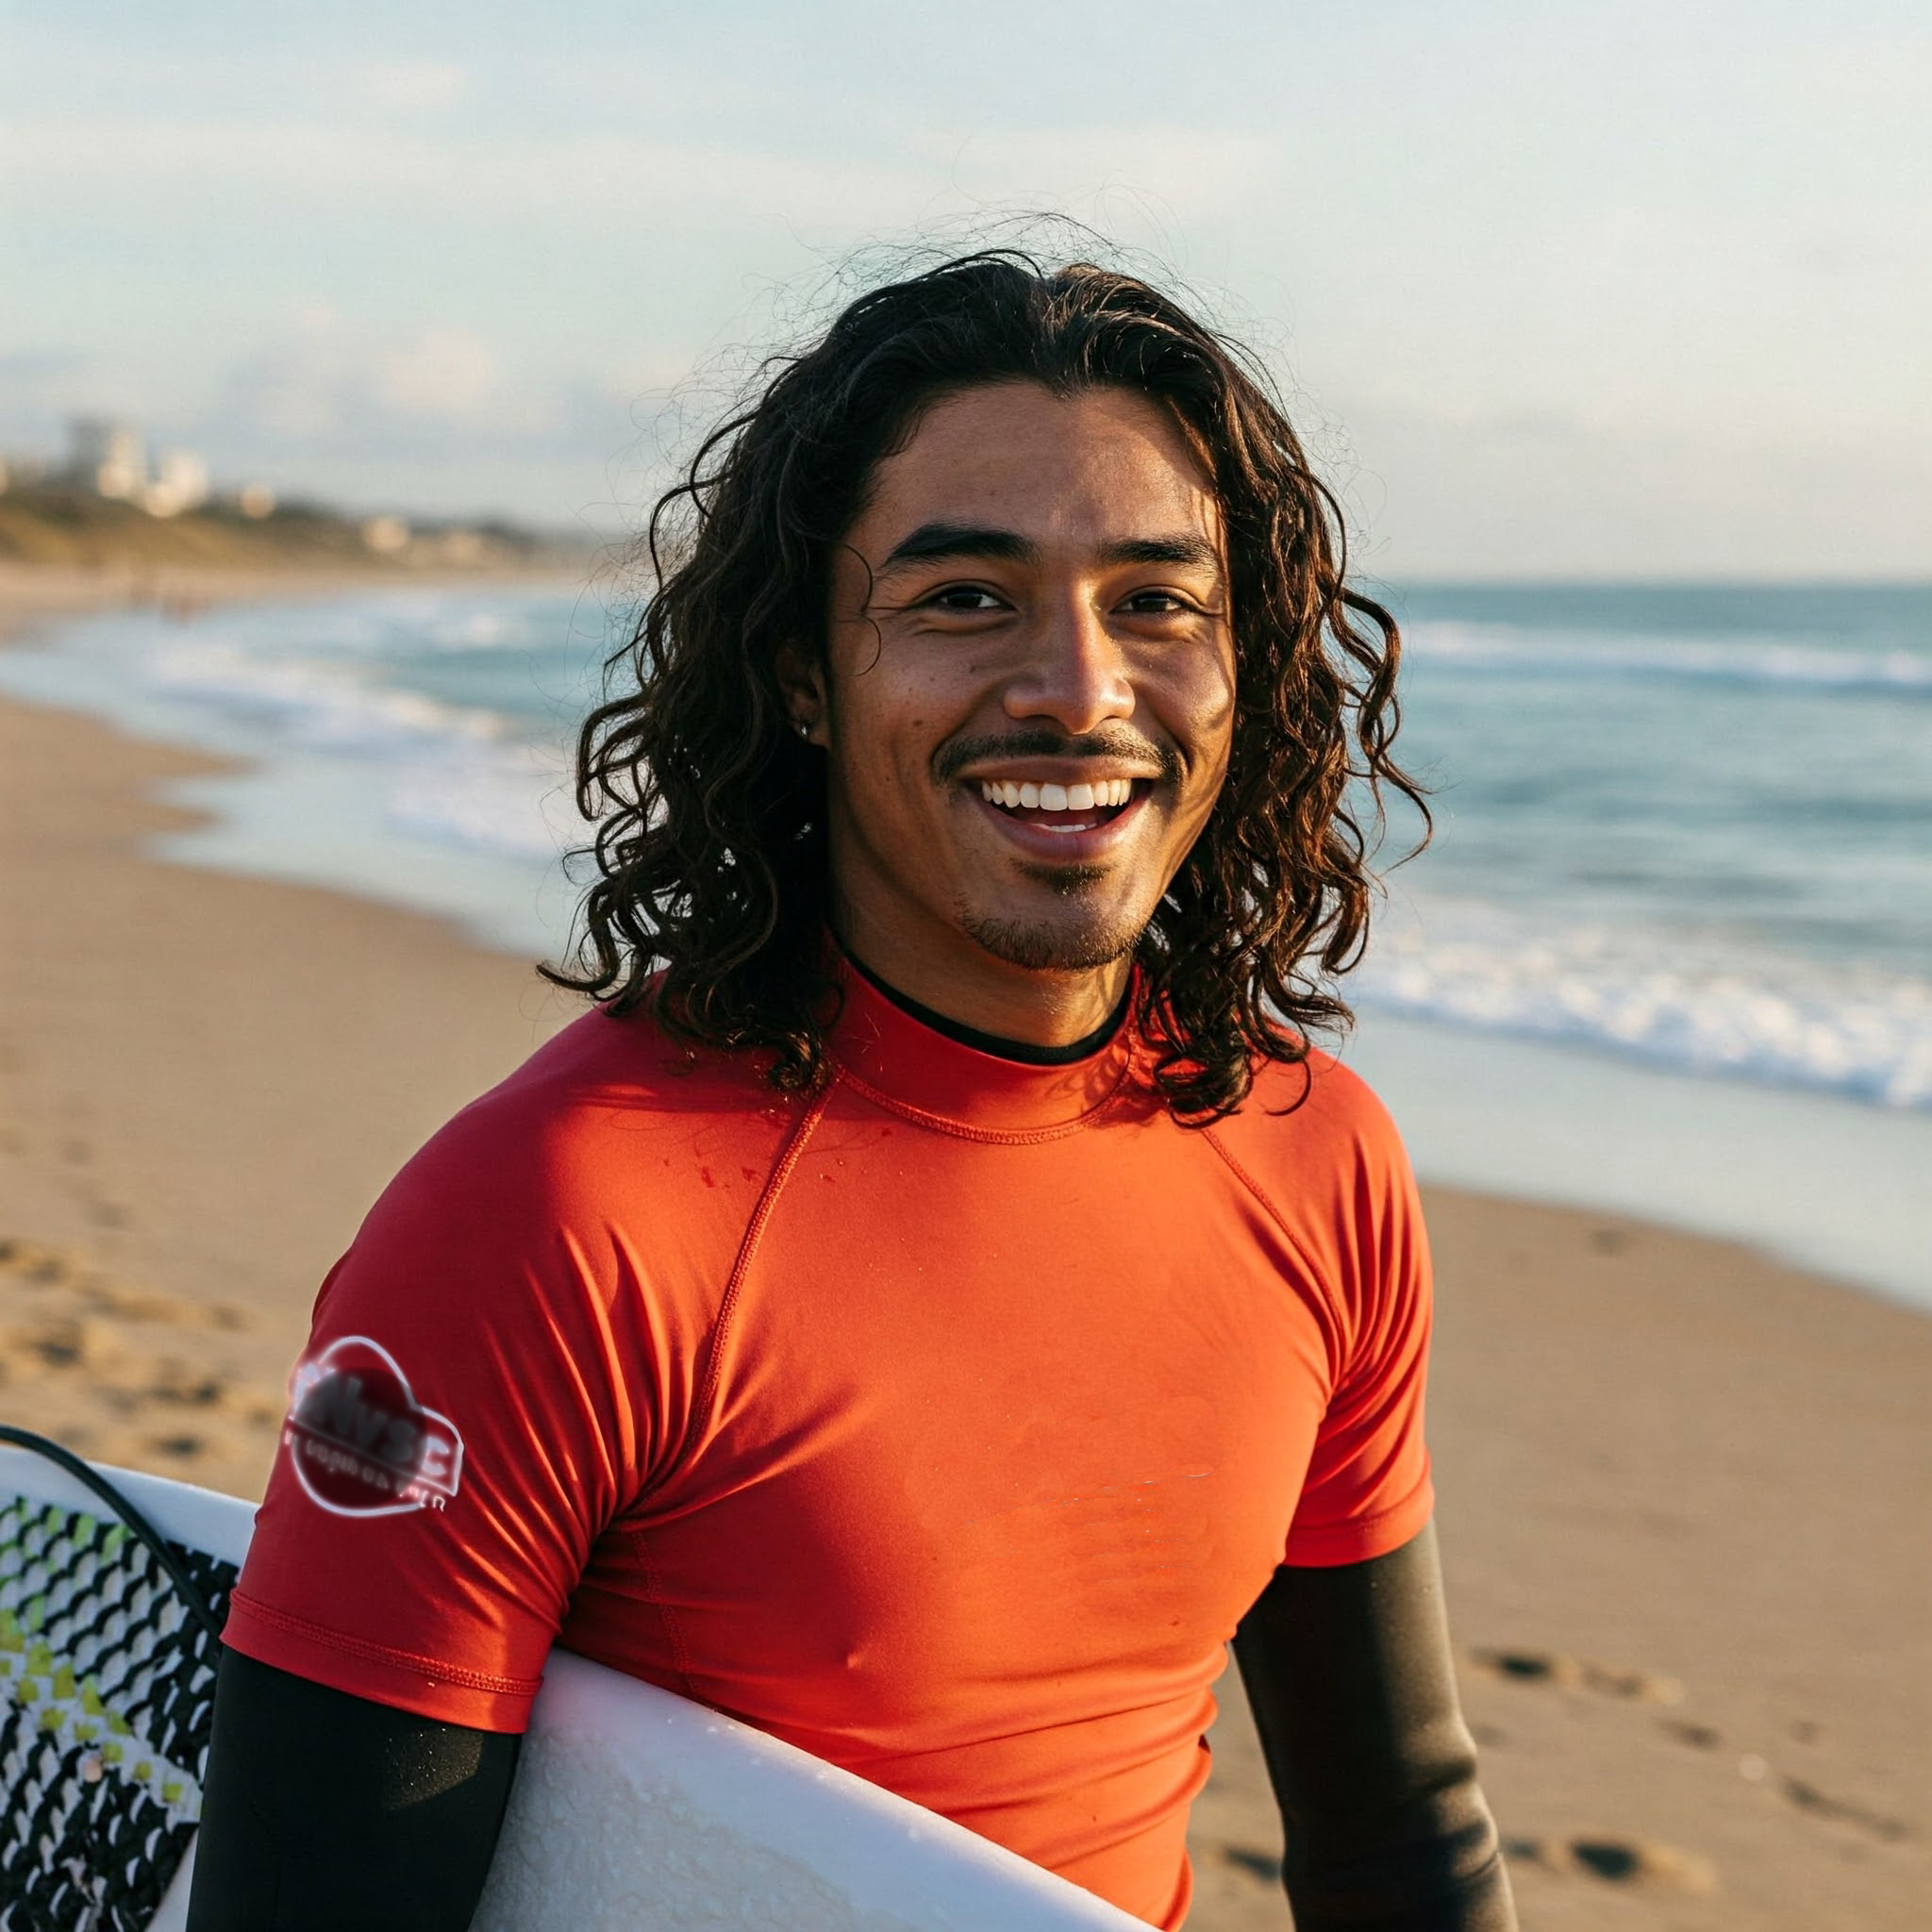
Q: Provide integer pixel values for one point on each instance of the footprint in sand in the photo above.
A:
(1756, 1770)
(1254, 1861)
(1699, 1736)
(123, 1374)
(38, 1264)
(1624, 1862)
(1809, 1798)
(1577, 1673)
(1635, 1863)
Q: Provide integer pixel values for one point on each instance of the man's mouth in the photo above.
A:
(1081, 808)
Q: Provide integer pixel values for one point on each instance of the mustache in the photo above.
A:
(1119, 742)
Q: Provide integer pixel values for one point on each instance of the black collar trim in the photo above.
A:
(1021, 1050)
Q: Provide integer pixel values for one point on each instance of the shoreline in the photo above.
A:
(1672, 1470)
(1818, 1177)
(34, 597)
(1490, 1111)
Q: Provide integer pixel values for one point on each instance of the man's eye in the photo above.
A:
(967, 597)
(1157, 602)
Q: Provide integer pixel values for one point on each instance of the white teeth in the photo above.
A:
(1030, 797)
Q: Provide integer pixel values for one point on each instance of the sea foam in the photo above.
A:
(1698, 1003)
(313, 704)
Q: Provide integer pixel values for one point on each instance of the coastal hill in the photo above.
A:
(61, 526)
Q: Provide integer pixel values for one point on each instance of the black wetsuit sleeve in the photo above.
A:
(323, 1811)
(1349, 1675)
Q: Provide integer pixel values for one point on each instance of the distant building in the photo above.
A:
(106, 456)
(181, 483)
(463, 548)
(386, 536)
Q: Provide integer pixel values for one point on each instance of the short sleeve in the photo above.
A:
(462, 1426)
(1368, 1488)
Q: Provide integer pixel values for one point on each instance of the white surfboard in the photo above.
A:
(633, 1809)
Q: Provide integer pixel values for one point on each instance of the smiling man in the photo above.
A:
(1027, 701)
(940, 1299)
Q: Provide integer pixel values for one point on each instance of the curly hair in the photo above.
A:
(710, 896)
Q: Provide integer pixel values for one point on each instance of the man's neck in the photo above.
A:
(988, 995)
(1025, 1052)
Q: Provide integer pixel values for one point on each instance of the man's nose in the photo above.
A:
(1076, 673)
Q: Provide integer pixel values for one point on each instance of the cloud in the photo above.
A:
(1543, 494)
(445, 373)
(437, 419)
(1882, 72)
(1149, 174)
(593, 178)
(329, 397)
(416, 85)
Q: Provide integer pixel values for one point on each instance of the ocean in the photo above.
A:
(1669, 953)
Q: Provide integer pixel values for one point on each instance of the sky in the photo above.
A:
(1617, 292)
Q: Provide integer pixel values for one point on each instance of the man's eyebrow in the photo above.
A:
(1186, 549)
(932, 541)
(959, 540)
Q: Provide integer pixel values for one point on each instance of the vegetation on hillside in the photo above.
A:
(55, 524)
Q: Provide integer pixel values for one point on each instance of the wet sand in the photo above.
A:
(1684, 1489)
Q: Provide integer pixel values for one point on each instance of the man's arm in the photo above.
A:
(324, 1810)
(1349, 1675)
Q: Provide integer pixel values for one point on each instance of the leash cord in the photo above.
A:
(156, 1545)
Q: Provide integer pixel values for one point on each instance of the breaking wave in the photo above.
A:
(1698, 1006)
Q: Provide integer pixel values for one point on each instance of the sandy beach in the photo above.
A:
(1684, 1489)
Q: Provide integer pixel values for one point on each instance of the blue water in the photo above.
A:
(1684, 839)
(1691, 826)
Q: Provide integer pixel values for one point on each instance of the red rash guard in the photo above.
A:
(943, 1424)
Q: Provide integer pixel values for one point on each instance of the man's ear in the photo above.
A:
(802, 683)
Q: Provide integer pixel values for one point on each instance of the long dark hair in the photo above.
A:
(710, 897)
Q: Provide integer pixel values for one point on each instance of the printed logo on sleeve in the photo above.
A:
(361, 1443)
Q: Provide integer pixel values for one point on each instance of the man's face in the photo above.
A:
(1029, 688)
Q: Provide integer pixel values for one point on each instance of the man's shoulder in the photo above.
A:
(1299, 1107)
(1313, 1138)
(608, 1111)
(606, 1067)
(1323, 1155)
